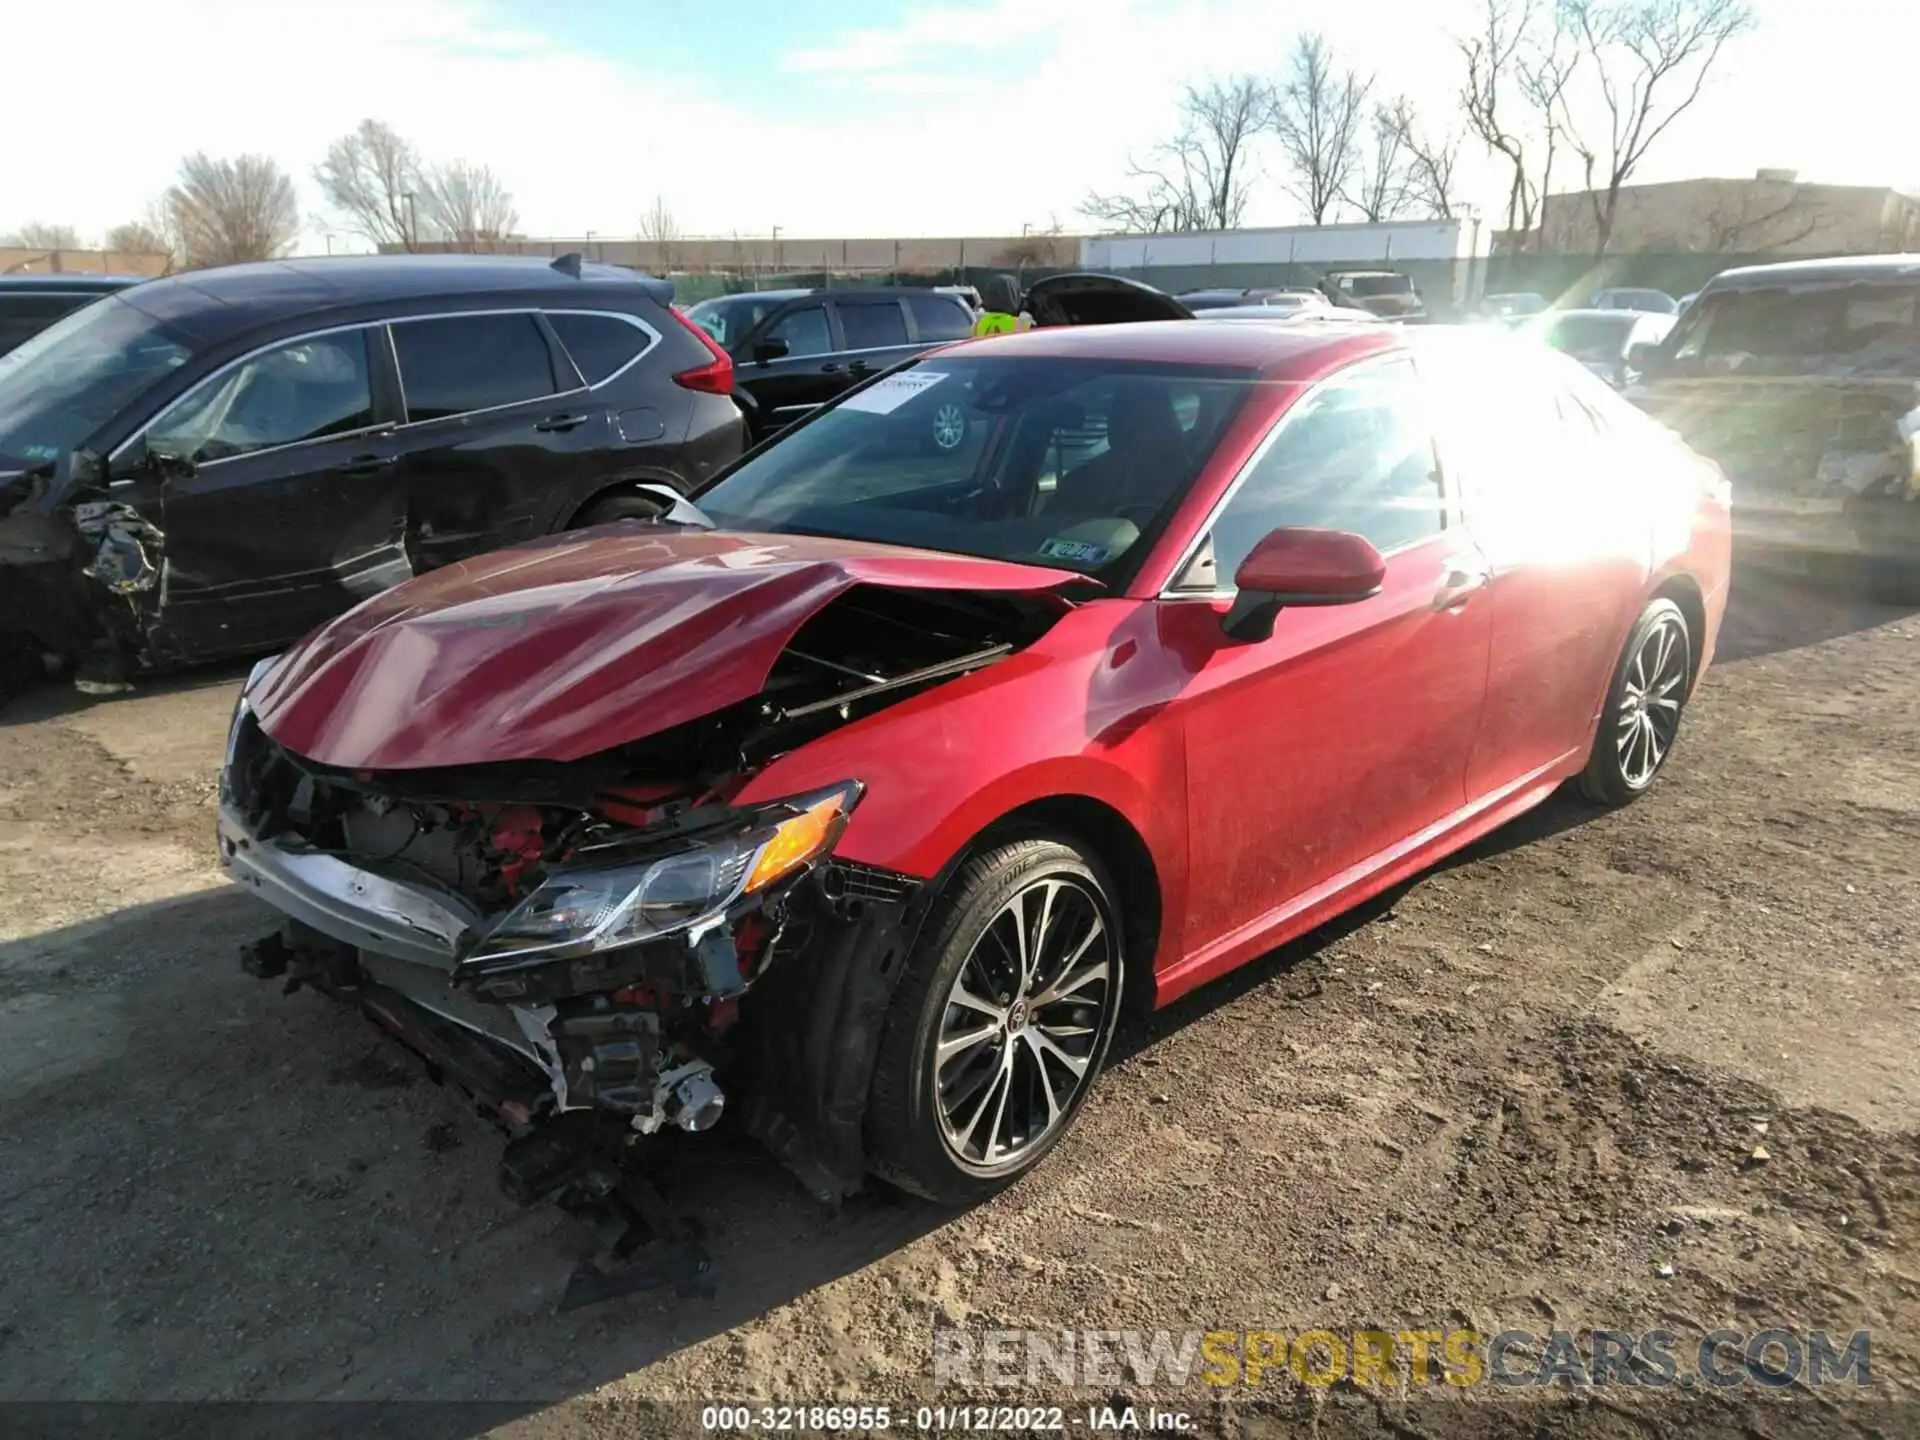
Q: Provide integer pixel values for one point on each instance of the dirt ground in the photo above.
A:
(1525, 1091)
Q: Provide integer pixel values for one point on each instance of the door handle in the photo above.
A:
(365, 465)
(1464, 579)
(560, 422)
(859, 367)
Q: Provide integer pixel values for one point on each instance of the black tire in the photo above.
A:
(907, 1128)
(609, 508)
(1617, 770)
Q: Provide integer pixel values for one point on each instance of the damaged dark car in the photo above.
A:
(211, 464)
(1803, 381)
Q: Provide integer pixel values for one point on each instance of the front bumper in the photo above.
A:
(349, 904)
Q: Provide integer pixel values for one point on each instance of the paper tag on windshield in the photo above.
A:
(887, 395)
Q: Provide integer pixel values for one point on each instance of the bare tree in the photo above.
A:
(1545, 68)
(372, 177)
(466, 206)
(1650, 60)
(1201, 180)
(136, 237)
(39, 235)
(1492, 55)
(658, 226)
(222, 212)
(1743, 221)
(1379, 188)
(1430, 163)
(1318, 113)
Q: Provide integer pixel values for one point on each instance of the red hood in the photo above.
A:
(573, 645)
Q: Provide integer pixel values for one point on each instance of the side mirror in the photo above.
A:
(1642, 354)
(1297, 565)
(772, 348)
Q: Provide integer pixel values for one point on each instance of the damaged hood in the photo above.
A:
(559, 650)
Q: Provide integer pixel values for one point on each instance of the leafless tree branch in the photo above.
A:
(1202, 179)
(1650, 60)
(367, 176)
(466, 206)
(39, 235)
(1318, 113)
(221, 212)
(1491, 57)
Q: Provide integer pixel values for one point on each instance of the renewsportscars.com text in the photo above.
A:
(1515, 1359)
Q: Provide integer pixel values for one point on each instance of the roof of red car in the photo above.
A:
(1280, 350)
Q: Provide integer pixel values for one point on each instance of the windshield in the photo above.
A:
(63, 384)
(1371, 285)
(1048, 461)
(1655, 302)
(1524, 304)
(1852, 329)
(1589, 337)
(729, 318)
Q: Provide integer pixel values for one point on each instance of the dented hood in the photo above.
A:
(558, 650)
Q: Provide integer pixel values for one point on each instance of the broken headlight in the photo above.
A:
(590, 906)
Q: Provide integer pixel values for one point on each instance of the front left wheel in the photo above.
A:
(1641, 718)
(1000, 1023)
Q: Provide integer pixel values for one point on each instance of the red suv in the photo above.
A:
(862, 792)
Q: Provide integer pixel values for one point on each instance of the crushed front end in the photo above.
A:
(585, 954)
(80, 576)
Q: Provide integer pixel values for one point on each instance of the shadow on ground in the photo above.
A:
(1770, 611)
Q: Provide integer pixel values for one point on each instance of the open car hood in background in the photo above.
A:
(1099, 300)
(570, 646)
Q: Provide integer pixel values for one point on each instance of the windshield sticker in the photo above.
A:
(888, 394)
(1083, 551)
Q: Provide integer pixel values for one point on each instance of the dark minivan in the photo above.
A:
(794, 350)
(232, 456)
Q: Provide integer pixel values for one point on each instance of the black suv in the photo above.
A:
(30, 303)
(232, 456)
(794, 350)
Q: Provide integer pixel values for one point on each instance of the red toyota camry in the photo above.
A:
(1050, 674)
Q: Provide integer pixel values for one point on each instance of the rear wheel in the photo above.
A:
(1641, 719)
(609, 508)
(1000, 1024)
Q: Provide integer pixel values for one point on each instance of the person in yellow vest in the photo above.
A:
(1001, 314)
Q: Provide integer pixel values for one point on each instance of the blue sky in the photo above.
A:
(828, 117)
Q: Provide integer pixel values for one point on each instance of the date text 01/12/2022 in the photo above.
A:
(942, 1419)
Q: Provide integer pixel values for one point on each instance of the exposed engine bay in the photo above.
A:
(601, 949)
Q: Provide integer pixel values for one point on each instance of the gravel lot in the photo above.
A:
(1511, 1094)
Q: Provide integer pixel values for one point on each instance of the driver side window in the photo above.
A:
(304, 390)
(1356, 454)
(805, 331)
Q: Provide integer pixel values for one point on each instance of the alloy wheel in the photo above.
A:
(1648, 715)
(1023, 1023)
(949, 426)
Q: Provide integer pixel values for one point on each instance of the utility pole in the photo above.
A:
(413, 222)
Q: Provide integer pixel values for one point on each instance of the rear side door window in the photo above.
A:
(307, 389)
(805, 331)
(600, 345)
(871, 326)
(939, 317)
(1355, 454)
(463, 363)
